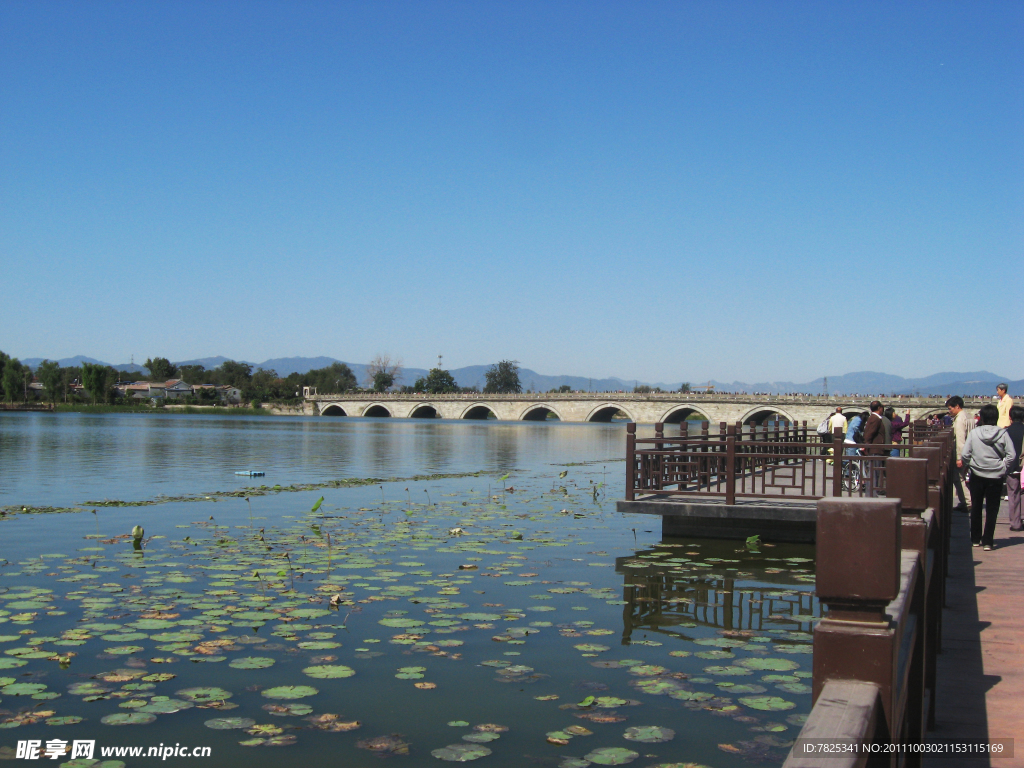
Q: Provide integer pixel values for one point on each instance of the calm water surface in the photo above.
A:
(559, 599)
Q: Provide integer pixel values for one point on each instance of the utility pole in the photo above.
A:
(439, 358)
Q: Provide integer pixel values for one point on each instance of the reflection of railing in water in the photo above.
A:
(657, 600)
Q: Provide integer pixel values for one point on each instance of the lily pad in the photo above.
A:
(481, 738)
(204, 695)
(774, 665)
(649, 734)
(290, 692)
(329, 671)
(229, 723)
(128, 718)
(461, 753)
(251, 662)
(766, 703)
(612, 756)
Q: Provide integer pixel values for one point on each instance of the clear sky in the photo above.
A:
(663, 191)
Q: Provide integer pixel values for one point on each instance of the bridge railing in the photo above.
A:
(782, 462)
(881, 567)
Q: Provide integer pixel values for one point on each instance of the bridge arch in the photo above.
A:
(607, 411)
(539, 412)
(333, 409)
(479, 412)
(761, 413)
(683, 412)
(377, 410)
(424, 411)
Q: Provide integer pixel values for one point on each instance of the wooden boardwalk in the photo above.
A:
(981, 667)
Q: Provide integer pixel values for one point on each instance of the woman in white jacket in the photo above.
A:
(989, 453)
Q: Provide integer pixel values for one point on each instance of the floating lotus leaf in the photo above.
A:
(490, 728)
(715, 655)
(691, 695)
(319, 645)
(166, 706)
(609, 702)
(775, 665)
(128, 718)
(329, 671)
(649, 734)
(591, 647)
(780, 679)
(746, 688)
(251, 662)
(159, 677)
(766, 703)
(731, 671)
(461, 753)
(204, 695)
(22, 689)
(123, 650)
(387, 745)
(679, 654)
(798, 648)
(286, 710)
(612, 756)
(229, 723)
(289, 692)
(175, 637)
(480, 617)
(401, 623)
(721, 642)
(7, 663)
(647, 670)
(458, 723)
(481, 738)
(88, 688)
(656, 686)
(65, 720)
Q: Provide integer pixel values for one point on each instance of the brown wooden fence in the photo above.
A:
(881, 567)
(783, 462)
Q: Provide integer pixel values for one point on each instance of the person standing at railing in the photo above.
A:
(961, 428)
(898, 425)
(1016, 434)
(877, 434)
(989, 453)
(837, 421)
(1004, 405)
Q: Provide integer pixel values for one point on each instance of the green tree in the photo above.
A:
(52, 377)
(234, 373)
(335, 378)
(12, 379)
(382, 372)
(192, 374)
(503, 378)
(437, 382)
(96, 380)
(684, 388)
(160, 369)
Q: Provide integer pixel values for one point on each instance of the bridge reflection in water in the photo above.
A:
(754, 592)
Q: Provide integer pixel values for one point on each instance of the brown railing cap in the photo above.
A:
(933, 454)
(858, 557)
(907, 480)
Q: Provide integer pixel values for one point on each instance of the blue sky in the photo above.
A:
(663, 191)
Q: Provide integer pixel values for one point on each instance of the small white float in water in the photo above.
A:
(250, 473)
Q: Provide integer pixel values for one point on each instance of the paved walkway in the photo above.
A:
(981, 668)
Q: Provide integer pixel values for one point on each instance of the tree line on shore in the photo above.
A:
(96, 383)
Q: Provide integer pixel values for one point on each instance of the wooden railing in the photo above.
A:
(740, 461)
(881, 566)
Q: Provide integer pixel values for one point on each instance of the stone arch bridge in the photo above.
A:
(606, 406)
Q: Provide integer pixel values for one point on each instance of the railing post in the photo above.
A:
(730, 463)
(631, 461)
(858, 575)
(837, 462)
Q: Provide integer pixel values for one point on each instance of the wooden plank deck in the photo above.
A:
(981, 667)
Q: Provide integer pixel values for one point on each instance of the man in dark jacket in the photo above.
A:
(875, 433)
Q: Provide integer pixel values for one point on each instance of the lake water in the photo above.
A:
(529, 626)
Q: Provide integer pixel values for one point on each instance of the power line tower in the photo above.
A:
(439, 358)
(824, 386)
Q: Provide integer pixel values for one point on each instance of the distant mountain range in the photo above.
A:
(862, 382)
